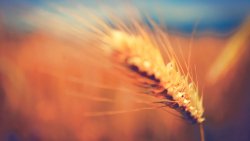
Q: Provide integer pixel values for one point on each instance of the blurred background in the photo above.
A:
(54, 87)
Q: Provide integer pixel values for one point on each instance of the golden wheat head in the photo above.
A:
(136, 46)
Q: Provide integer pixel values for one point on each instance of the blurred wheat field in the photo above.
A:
(52, 88)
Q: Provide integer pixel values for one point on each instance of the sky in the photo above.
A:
(221, 17)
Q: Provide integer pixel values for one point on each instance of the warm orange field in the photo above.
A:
(57, 89)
